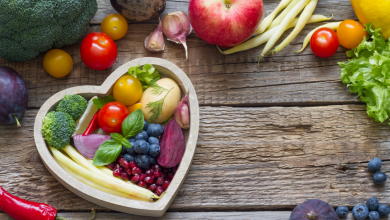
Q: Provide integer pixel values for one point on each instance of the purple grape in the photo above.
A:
(13, 95)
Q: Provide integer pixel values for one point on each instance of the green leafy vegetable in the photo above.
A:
(368, 73)
(126, 143)
(100, 102)
(117, 137)
(148, 75)
(107, 153)
(133, 124)
(156, 106)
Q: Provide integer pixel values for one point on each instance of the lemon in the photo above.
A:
(375, 12)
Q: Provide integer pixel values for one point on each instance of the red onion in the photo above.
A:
(88, 145)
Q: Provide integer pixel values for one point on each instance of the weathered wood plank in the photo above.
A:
(286, 78)
(247, 159)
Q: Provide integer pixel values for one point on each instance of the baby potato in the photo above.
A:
(171, 100)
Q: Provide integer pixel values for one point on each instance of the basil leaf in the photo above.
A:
(117, 137)
(126, 143)
(107, 153)
(100, 102)
(133, 124)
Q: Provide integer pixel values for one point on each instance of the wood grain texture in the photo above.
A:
(246, 159)
(287, 78)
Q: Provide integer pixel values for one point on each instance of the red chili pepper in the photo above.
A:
(21, 209)
(93, 125)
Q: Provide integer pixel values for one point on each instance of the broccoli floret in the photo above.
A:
(57, 129)
(74, 105)
(35, 26)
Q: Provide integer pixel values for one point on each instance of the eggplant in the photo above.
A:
(139, 10)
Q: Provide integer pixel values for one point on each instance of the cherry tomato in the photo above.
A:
(351, 33)
(57, 63)
(324, 42)
(115, 26)
(111, 116)
(98, 51)
(127, 90)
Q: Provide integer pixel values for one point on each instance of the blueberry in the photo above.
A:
(379, 177)
(342, 211)
(383, 210)
(374, 215)
(131, 151)
(372, 204)
(155, 130)
(152, 160)
(141, 147)
(142, 161)
(141, 136)
(374, 164)
(131, 139)
(129, 157)
(153, 140)
(145, 135)
(123, 152)
(154, 150)
(360, 212)
(146, 124)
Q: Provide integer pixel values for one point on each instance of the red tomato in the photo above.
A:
(324, 42)
(98, 51)
(111, 116)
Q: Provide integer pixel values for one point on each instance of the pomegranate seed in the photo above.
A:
(126, 164)
(157, 174)
(159, 190)
(111, 166)
(152, 187)
(128, 171)
(135, 179)
(166, 170)
(149, 172)
(170, 176)
(165, 184)
(156, 167)
(142, 177)
(159, 181)
(174, 170)
(116, 172)
(142, 184)
(149, 179)
(136, 170)
(125, 176)
(120, 161)
(132, 164)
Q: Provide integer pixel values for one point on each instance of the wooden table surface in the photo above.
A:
(270, 137)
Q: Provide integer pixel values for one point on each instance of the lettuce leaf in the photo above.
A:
(368, 73)
(147, 75)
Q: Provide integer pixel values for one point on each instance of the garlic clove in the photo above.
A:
(182, 113)
(176, 27)
(155, 41)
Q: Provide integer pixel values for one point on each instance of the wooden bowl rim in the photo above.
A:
(105, 199)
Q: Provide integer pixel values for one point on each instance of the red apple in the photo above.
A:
(225, 23)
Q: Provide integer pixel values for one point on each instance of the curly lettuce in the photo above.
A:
(367, 73)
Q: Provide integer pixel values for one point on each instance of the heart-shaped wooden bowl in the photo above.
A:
(166, 69)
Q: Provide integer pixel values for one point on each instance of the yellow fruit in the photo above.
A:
(127, 90)
(134, 107)
(375, 12)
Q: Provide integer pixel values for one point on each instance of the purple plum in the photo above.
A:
(314, 209)
(13, 96)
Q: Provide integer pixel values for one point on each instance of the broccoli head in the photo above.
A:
(35, 26)
(74, 105)
(57, 129)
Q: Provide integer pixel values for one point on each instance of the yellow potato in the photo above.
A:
(171, 100)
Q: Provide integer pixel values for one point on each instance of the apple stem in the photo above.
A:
(17, 121)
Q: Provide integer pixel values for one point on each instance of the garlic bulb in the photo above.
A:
(176, 27)
(155, 41)
(182, 114)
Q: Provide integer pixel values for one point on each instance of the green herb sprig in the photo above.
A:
(156, 106)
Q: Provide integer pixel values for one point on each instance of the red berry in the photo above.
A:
(152, 187)
(159, 190)
(142, 184)
(142, 177)
(125, 176)
(170, 176)
(156, 167)
(111, 166)
(135, 179)
(120, 161)
(116, 172)
(149, 179)
(159, 181)
(136, 170)
(165, 184)
(157, 174)
(132, 164)
(126, 164)
(149, 172)
(128, 171)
